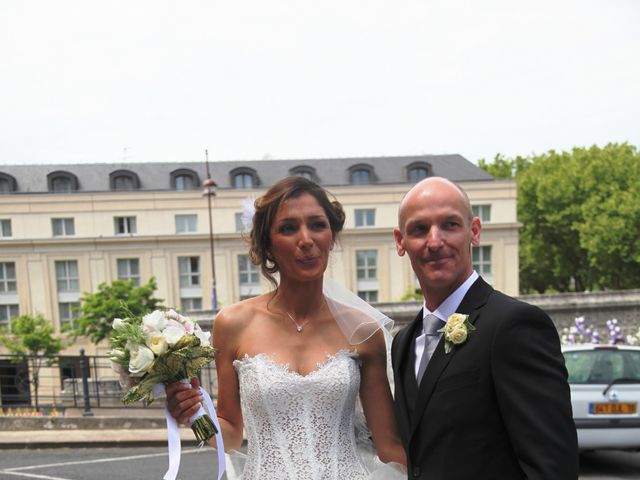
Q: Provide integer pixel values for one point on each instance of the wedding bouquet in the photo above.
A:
(159, 348)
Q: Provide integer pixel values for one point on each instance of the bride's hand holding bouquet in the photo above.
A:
(162, 348)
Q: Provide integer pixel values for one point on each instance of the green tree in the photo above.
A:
(120, 299)
(503, 167)
(32, 336)
(610, 226)
(580, 212)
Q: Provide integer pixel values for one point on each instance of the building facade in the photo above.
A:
(64, 229)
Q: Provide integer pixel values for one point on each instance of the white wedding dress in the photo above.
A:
(302, 427)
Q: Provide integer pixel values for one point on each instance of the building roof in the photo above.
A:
(327, 171)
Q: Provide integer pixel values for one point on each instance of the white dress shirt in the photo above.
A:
(443, 312)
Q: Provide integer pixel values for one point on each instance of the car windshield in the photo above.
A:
(602, 366)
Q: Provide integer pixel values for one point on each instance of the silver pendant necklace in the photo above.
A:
(298, 325)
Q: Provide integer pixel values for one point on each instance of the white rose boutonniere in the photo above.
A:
(456, 330)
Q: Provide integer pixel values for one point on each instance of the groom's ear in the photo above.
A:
(397, 235)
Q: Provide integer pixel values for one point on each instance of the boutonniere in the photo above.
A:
(456, 330)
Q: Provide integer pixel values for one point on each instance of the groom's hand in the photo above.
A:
(183, 400)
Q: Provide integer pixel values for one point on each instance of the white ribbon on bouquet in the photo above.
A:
(173, 434)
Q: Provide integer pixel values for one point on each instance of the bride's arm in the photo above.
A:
(377, 402)
(184, 401)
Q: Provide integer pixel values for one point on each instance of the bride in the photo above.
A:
(291, 363)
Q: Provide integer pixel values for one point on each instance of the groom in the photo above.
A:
(497, 405)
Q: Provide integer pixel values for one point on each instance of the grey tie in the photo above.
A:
(431, 326)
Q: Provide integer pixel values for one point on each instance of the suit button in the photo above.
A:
(416, 472)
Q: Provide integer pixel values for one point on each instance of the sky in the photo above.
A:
(88, 81)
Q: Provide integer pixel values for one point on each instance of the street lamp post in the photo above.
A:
(209, 191)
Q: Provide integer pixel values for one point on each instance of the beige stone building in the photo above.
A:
(64, 229)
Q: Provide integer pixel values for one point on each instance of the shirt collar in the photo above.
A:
(452, 302)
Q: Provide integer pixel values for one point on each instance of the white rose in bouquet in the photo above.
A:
(157, 343)
(173, 332)
(155, 321)
(141, 359)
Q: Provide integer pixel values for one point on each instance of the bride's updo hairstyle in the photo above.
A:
(265, 214)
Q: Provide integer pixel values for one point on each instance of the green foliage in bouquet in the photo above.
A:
(184, 360)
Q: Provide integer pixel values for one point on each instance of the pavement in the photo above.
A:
(59, 432)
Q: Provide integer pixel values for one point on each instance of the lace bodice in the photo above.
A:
(300, 427)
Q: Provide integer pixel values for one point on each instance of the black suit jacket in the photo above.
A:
(497, 406)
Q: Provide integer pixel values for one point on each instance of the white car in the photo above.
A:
(605, 393)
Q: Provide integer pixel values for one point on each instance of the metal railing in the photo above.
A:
(58, 382)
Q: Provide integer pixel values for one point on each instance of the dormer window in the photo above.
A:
(62, 182)
(418, 171)
(123, 181)
(8, 184)
(361, 175)
(184, 179)
(244, 177)
(305, 171)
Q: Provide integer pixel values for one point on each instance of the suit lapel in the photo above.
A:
(471, 304)
(405, 370)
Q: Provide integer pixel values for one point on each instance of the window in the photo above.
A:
(8, 184)
(244, 177)
(239, 223)
(249, 277)
(63, 227)
(243, 180)
(369, 296)
(129, 269)
(366, 261)
(67, 276)
(5, 228)
(360, 177)
(188, 304)
(61, 185)
(184, 179)
(602, 366)
(304, 171)
(62, 182)
(367, 274)
(418, 171)
(70, 369)
(68, 285)
(361, 174)
(482, 211)
(482, 262)
(365, 217)
(7, 312)
(186, 223)
(189, 271)
(184, 182)
(123, 181)
(125, 225)
(122, 184)
(190, 289)
(8, 278)
(68, 311)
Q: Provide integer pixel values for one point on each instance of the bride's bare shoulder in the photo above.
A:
(238, 316)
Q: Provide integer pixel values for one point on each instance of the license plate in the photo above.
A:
(613, 408)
